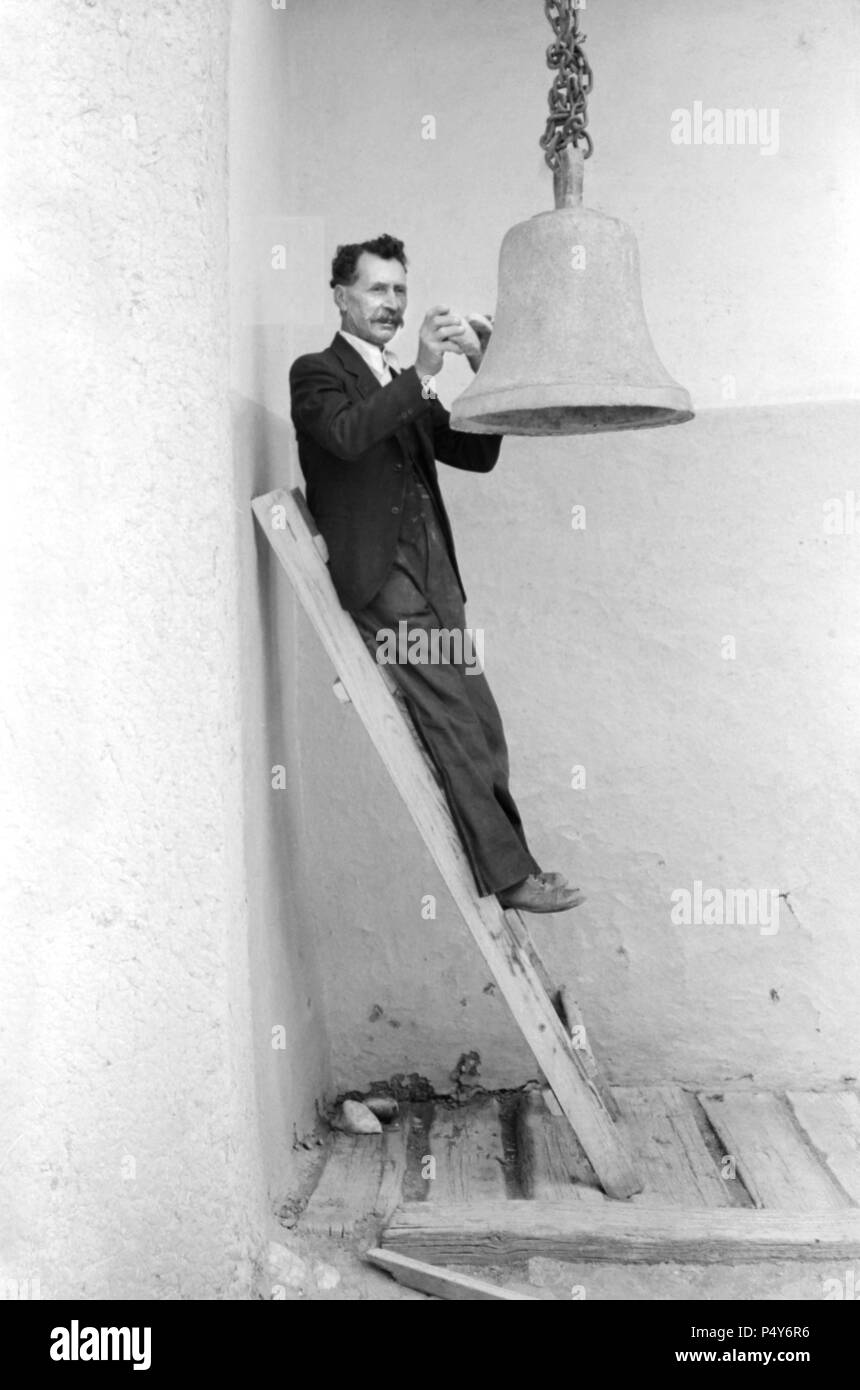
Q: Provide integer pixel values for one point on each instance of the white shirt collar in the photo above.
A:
(378, 359)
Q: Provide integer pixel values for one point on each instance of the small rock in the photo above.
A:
(383, 1107)
(286, 1267)
(326, 1276)
(357, 1119)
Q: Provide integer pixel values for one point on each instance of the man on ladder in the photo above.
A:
(368, 437)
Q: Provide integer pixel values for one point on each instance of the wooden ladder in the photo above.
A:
(553, 1030)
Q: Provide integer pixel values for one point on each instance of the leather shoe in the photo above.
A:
(555, 880)
(536, 894)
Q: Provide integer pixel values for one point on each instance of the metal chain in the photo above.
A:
(568, 117)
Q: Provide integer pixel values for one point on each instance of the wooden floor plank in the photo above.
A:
(348, 1189)
(831, 1121)
(508, 1232)
(442, 1283)
(670, 1153)
(551, 1164)
(775, 1163)
(283, 517)
(395, 1140)
(466, 1144)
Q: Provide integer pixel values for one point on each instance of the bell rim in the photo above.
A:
(513, 410)
(538, 431)
(559, 394)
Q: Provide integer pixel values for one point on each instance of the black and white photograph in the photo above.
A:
(432, 646)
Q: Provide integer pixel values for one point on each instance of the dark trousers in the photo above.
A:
(453, 708)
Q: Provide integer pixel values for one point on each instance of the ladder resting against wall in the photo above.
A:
(551, 1026)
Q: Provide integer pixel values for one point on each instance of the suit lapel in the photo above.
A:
(366, 383)
(353, 362)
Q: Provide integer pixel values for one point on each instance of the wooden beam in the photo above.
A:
(442, 1283)
(284, 524)
(616, 1232)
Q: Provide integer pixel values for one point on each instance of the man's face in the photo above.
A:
(373, 307)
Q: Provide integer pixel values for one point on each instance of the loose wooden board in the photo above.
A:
(442, 1283)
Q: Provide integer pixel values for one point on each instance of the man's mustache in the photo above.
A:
(388, 318)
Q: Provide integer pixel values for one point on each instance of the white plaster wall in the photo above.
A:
(289, 1033)
(130, 1160)
(604, 649)
(603, 646)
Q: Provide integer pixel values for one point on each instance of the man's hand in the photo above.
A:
(440, 332)
(474, 344)
(472, 337)
(482, 326)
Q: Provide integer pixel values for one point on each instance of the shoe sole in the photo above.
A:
(544, 911)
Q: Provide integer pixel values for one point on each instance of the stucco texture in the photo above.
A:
(605, 651)
(131, 1162)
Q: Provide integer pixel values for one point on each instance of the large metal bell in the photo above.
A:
(570, 351)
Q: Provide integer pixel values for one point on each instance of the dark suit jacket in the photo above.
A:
(352, 436)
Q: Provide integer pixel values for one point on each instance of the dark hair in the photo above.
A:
(343, 267)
